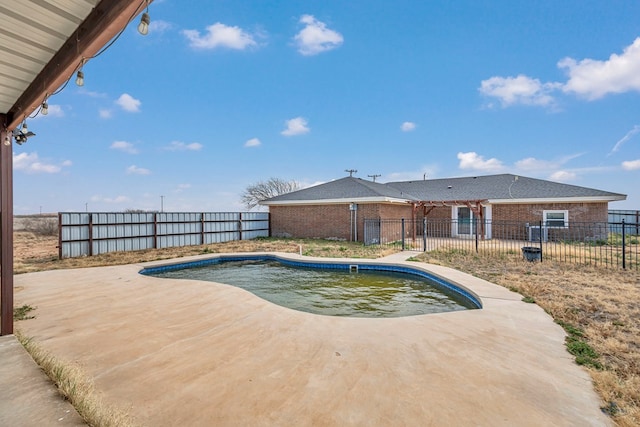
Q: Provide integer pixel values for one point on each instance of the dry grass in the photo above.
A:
(597, 306)
(38, 253)
(73, 384)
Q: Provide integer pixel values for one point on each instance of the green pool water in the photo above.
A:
(331, 292)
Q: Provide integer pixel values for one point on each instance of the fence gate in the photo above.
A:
(407, 234)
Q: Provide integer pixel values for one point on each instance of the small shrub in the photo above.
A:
(22, 313)
(529, 300)
(42, 226)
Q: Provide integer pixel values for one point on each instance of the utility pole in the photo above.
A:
(161, 203)
(351, 171)
(374, 177)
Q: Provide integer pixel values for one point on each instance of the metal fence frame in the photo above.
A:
(94, 233)
(579, 243)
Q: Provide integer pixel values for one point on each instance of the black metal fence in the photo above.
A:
(579, 243)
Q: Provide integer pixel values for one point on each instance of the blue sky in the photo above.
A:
(223, 94)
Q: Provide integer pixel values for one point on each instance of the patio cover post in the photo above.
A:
(6, 231)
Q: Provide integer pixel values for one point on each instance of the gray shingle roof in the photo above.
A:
(490, 187)
(348, 188)
(496, 187)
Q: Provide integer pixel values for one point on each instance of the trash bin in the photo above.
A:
(531, 253)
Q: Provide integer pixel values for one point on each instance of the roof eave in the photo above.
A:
(334, 201)
(589, 199)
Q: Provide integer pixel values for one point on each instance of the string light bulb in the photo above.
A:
(143, 26)
(45, 108)
(7, 139)
(80, 78)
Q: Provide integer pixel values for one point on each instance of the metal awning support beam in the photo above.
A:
(102, 24)
(6, 233)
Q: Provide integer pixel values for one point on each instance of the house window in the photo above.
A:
(556, 219)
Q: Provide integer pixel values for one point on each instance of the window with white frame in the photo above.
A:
(556, 219)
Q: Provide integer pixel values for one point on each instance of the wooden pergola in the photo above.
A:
(44, 43)
(429, 205)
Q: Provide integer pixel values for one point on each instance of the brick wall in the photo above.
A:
(578, 212)
(334, 221)
(330, 221)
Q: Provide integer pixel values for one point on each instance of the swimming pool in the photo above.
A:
(335, 289)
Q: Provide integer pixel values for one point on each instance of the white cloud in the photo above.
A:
(631, 165)
(114, 200)
(407, 126)
(31, 163)
(519, 90)
(105, 113)
(181, 187)
(624, 139)
(253, 142)
(158, 26)
(594, 79)
(563, 176)
(296, 126)
(315, 37)
(220, 35)
(181, 146)
(533, 164)
(125, 146)
(473, 161)
(135, 170)
(129, 103)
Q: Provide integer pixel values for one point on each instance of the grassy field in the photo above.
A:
(598, 307)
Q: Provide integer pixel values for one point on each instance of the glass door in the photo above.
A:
(465, 223)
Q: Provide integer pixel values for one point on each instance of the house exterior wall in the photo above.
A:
(583, 219)
(578, 212)
(331, 221)
(335, 220)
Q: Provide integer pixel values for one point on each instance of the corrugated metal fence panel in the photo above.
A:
(218, 227)
(74, 218)
(75, 249)
(221, 237)
(96, 233)
(125, 244)
(222, 216)
(255, 225)
(255, 216)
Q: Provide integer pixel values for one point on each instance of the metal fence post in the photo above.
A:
(624, 255)
(90, 225)
(475, 227)
(403, 234)
(541, 238)
(424, 234)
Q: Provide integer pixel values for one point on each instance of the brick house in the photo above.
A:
(337, 209)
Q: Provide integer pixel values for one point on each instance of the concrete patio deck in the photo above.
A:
(199, 354)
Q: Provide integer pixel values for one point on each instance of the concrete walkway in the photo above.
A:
(193, 353)
(27, 396)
